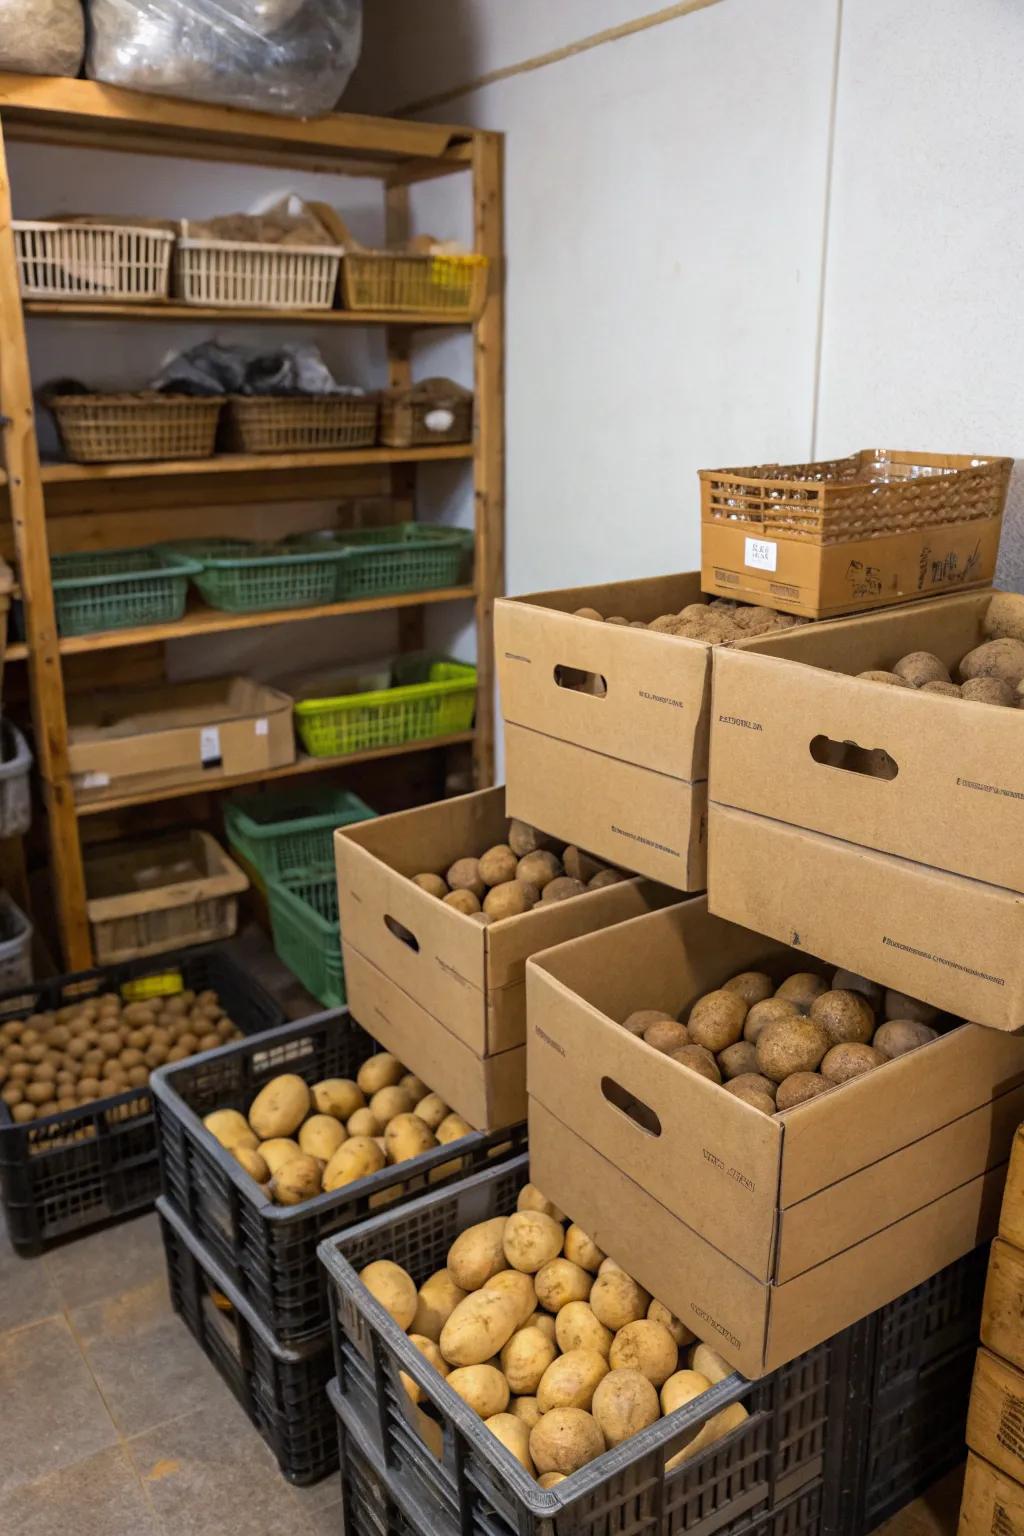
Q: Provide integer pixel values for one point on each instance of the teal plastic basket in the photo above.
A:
(119, 589)
(240, 576)
(403, 557)
(307, 936)
(429, 697)
(290, 831)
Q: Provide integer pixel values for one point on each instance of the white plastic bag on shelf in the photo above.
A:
(41, 37)
(292, 57)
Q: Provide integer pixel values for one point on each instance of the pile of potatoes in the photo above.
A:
(299, 1141)
(71, 1056)
(715, 622)
(512, 877)
(773, 1047)
(992, 673)
(561, 1353)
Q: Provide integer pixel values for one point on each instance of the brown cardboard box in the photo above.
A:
(993, 1504)
(995, 1421)
(765, 1235)
(463, 984)
(1002, 1325)
(606, 726)
(177, 733)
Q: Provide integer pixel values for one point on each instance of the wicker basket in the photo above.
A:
(104, 429)
(123, 262)
(246, 274)
(432, 411)
(452, 285)
(301, 423)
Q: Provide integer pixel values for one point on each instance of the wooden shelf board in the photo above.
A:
(199, 313)
(210, 621)
(302, 764)
(244, 463)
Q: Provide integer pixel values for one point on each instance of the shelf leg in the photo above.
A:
(489, 458)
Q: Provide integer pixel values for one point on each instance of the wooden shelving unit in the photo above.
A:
(67, 506)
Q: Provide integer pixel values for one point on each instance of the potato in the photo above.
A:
(520, 1289)
(561, 889)
(801, 989)
(525, 1358)
(791, 1045)
(659, 1313)
(407, 1136)
(363, 1122)
(414, 1086)
(296, 1180)
(431, 1109)
(464, 875)
(989, 690)
(849, 981)
(898, 1036)
(737, 1060)
(434, 885)
(481, 1387)
(466, 902)
(748, 1081)
(389, 1102)
(477, 1254)
(582, 1250)
(899, 1006)
(845, 1016)
(716, 1020)
(278, 1151)
(380, 1071)
(498, 865)
(508, 900)
(532, 1240)
(877, 675)
(752, 986)
(550, 1479)
(337, 1096)
(430, 1352)
(560, 1282)
(616, 1300)
(514, 1436)
(697, 1058)
(624, 1402)
(525, 1409)
(950, 689)
(565, 1440)
(798, 1087)
(1003, 659)
(321, 1136)
(647, 1347)
(524, 839)
(570, 1380)
(254, 1165)
(280, 1107)
(605, 877)
(683, 1386)
(543, 1320)
(636, 1023)
(588, 613)
(453, 1128)
(716, 1428)
(921, 667)
(395, 1289)
(478, 1328)
(849, 1060)
(355, 1159)
(436, 1300)
(539, 868)
(531, 1199)
(1004, 618)
(576, 1327)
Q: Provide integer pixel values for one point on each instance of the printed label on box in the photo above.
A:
(263, 727)
(90, 780)
(761, 554)
(209, 745)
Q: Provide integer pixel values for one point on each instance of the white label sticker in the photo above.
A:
(91, 780)
(262, 727)
(762, 554)
(439, 419)
(209, 744)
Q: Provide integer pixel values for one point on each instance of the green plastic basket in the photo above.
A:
(119, 589)
(289, 831)
(405, 557)
(304, 920)
(239, 576)
(429, 698)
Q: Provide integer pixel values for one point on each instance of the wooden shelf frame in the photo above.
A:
(167, 311)
(81, 115)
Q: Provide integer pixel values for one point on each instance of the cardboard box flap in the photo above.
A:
(949, 627)
(414, 844)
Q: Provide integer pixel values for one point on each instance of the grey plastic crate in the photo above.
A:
(15, 944)
(15, 766)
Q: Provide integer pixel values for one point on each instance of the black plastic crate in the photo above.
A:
(268, 1250)
(283, 1390)
(84, 1166)
(475, 1488)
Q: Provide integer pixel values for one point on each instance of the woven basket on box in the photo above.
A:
(102, 429)
(123, 262)
(240, 576)
(119, 589)
(432, 411)
(873, 492)
(249, 275)
(453, 285)
(430, 698)
(298, 423)
(304, 922)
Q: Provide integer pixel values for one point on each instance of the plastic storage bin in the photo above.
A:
(307, 937)
(289, 831)
(102, 429)
(119, 589)
(83, 1166)
(15, 766)
(239, 576)
(452, 285)
(428, 698)
(248, 274)
(268, 1250)
(15, 944)
(405, 557)
(123, 263)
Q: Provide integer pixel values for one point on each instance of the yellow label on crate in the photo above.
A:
(160, 984)
(453, 271)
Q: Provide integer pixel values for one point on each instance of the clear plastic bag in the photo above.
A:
(292, 57)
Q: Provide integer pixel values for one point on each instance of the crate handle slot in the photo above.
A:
(401, 932)
(578, 681)
(872, 762)
(629, 1105)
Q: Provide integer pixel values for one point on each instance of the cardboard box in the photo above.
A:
(1002, 1320)
(176, 733)
(995, 1420)
(937, 780)
(450, 981)
(1011, 1218)
(765, 1235)
(992, 1504)
(607, 726)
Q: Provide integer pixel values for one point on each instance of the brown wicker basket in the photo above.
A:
(453, 285)
(103, 429)
(432, 411)
(298, 423)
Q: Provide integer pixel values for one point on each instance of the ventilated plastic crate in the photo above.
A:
(247, 274)
(15, 766)
(268, 1250)
(125, 263)
(282, 1389)
(429, 698)
(83, 1166)
(475, 1486)
(307, 936)
(239, 576)
(119, 589)
(405, 557)
(288, 831)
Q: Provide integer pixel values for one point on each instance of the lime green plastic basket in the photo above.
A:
(307, 937)
(119, 589)
(430, 697)
(290, 831)
(403, 557)
(239, 576)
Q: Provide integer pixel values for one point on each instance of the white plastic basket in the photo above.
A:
(245, 274)
(15, 763)
(123, 262)
(15, 944)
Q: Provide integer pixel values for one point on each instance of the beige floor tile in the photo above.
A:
(106, 1262)
(27, 1294)
(50, 1410)
(100, 1496)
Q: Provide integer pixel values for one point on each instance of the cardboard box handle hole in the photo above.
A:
(578, 681)
(629, 1105)
(872, 762)
(401, 932)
